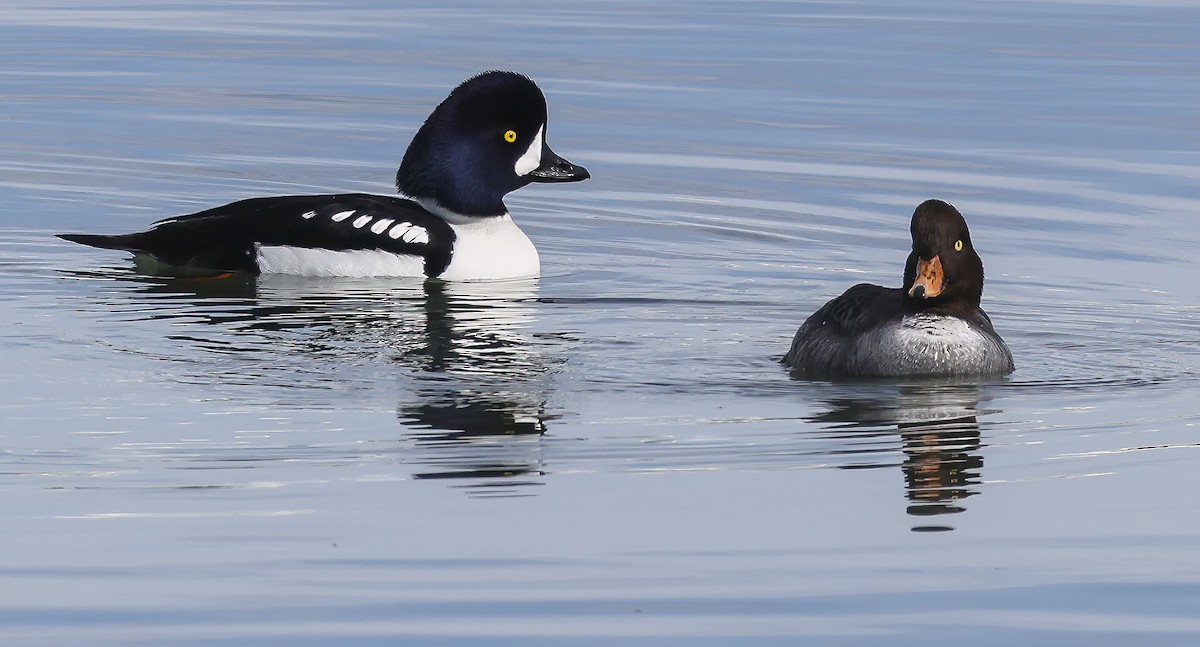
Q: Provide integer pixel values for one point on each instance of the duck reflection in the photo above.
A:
(939, 432)
(474, 378)
(492, 445)
(480, 404)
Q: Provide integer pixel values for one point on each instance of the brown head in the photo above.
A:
(943, 270)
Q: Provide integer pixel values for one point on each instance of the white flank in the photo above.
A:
(532, 157)
(325, 262)
(491, 248)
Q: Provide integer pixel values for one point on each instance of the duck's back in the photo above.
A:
(867, 332)
(354, 234)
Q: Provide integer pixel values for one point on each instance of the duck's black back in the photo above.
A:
(226, 238)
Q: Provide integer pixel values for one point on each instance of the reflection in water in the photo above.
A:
(466, 437)
(941, 463)
(939, 434)
(480, 408)
(473, 380)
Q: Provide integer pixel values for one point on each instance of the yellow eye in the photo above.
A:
(510, 136)
(958, 245)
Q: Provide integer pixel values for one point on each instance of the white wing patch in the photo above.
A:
(308, 214)
(342, 215)
(360, 221)
(409, 233)
(532, 157)
(379, 227)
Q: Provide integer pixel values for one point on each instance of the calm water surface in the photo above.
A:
(611, 451)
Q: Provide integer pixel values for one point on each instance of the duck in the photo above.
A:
(485, 140)
(931, 326)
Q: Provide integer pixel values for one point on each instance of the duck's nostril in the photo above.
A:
(577, 172)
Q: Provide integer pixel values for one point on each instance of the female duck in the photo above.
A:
(931, 326)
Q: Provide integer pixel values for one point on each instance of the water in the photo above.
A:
(611, 451)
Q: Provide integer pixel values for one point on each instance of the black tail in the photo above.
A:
(124, 242)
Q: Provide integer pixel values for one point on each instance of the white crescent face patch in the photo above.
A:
(532, 158)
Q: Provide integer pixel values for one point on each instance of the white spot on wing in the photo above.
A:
(342, 215)
(382, 225)
(360, 221)
(308, 214)
(532, 157)
(416, 235)
(399, 230)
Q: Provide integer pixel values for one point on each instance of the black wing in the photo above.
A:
(225, 238)
(820, 343)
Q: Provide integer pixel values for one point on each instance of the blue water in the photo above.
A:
(611, 452)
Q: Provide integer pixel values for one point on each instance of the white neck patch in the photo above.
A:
(532, 157)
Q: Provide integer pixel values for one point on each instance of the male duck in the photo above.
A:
(484, 140)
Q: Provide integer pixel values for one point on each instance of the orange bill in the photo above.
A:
(930, 278)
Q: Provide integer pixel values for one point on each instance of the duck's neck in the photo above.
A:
(454, 217)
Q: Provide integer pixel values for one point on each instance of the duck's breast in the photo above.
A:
(929, 344)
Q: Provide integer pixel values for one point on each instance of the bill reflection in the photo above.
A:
(938, 427)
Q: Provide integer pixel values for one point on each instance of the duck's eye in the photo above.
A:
(510, 136)
(957, 243)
